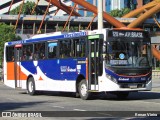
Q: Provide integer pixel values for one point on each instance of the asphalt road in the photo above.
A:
(54, 104)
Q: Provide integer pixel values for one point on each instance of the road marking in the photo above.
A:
(129, 118)
(58, 106)
(151, 102)
(104, 114)
(79, 110)
(10, 99)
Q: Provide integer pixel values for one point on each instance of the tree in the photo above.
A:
(7, 33)
(27, 9)
(119, 13)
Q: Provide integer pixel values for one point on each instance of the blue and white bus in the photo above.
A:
(114, 60)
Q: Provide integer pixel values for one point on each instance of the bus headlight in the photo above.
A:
(149, 79)
(114, 79)
(111, 78)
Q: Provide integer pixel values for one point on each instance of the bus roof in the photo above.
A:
(44, 37)
(47, 34)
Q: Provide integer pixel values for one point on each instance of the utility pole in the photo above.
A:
(100, 15)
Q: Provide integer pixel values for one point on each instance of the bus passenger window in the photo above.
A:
(31, 56)
(39, 51)
(10, 53)
(27, 52)
(12, 58)
(79, 47)
(24, 57)
(65, 48)
(52, 50)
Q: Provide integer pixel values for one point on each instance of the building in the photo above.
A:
(5, 5)
(108, 5)
(53, 8)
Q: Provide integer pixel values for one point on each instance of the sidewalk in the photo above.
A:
(156, 79)
(156, 84)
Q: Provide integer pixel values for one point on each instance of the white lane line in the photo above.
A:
(79, 110)
(58, 106)
(10, 99)
(151, 102)
(104, 114)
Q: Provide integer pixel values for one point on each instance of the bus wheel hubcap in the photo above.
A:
(30, 86)
(83, 90)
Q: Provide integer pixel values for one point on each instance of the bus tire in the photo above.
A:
(31, 86)
(83, 92)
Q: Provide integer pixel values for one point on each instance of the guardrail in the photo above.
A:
(155, 73)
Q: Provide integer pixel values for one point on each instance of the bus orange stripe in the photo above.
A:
(86, 69)
(10, 72)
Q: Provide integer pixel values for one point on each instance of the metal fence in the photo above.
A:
(155, 73)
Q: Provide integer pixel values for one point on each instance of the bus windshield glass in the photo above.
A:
(121, 52)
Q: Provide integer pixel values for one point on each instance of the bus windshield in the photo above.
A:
(128, 53)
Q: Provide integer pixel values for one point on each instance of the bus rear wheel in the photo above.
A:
(83, 91)
(31, 86)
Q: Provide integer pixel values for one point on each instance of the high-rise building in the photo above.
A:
(117, 4)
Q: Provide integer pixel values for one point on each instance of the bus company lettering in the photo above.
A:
(123, 79)
(15, 42)
(67, 69)
(75, 34)
(71, 70)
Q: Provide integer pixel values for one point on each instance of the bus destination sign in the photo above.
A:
(129, 34)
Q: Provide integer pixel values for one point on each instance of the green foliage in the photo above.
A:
(119, 13)
(7, 33)
(27, 9)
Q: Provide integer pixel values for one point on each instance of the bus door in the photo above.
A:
(95, 60)
(17, 63)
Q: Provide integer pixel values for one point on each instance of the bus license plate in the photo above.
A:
(133, 86)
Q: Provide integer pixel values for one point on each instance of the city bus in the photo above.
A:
(116, 61)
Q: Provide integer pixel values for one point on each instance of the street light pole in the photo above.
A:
(100, 15)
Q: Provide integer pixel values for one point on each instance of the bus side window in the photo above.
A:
(52, 50)
(10, 53)
(65, 48)
(27, 52)
(79, 47)
(39, 51)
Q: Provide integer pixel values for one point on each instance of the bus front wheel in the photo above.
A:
(83, 91)
(31, 86)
